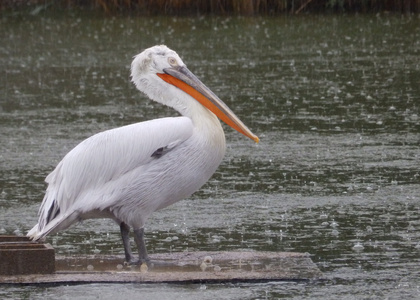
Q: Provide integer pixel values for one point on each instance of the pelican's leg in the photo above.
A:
(141, 245)
(143, 256)
(125, 231)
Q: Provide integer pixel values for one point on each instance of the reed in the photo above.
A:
(237, 7)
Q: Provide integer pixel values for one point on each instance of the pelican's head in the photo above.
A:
(157, 70)
(153, 61)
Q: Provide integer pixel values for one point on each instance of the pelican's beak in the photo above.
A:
(185, 80)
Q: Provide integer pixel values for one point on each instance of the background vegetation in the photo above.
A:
(238, 7)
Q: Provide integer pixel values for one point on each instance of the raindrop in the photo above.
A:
(203, 266)
(414, 117)
(144, 268)
(208, 259)
(358, 247)
(281, 235)
(215, 240)
(323, 216)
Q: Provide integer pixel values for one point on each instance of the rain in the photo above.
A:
(334, 100)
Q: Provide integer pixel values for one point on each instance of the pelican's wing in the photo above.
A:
(106, 156)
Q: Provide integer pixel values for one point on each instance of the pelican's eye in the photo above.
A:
(172, 61)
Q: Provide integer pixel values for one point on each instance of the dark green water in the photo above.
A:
(334, 99)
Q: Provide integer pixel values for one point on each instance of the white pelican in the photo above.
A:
(127, 173)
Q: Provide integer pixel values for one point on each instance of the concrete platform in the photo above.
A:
(20, 256)
(181, 267)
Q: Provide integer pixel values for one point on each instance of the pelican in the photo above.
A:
(129, 172)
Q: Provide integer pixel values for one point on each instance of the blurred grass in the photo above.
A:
(219, 7)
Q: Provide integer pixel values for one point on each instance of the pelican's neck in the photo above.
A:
(206, 124)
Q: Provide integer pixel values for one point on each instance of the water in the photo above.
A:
(334, 99)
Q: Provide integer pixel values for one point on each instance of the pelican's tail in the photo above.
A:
(60, 222)
(34, 233)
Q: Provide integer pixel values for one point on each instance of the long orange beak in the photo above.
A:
(183, 79)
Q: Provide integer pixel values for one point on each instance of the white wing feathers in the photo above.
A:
(104, 157)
